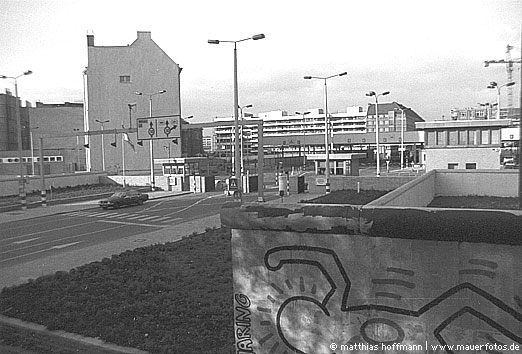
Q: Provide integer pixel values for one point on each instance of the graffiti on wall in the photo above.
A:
(317, 296)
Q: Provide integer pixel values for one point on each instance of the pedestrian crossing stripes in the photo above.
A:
(130, 217)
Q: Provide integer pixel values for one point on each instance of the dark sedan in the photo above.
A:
(120, 199)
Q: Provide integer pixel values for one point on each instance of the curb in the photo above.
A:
(59, 341)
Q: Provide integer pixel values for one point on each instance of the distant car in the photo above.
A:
(509, 162)
(119, 199)
(510, 165)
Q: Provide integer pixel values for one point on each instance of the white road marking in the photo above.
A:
(24, 241)
(48, 249)
(50, 230)
(149, 218)
(65, 245)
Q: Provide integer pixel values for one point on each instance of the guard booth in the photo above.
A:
(340, 164)
(195, 174)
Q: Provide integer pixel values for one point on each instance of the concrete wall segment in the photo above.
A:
(499, 183)
(416, 193)
(412, 276)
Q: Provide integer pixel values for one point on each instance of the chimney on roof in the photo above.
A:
(90, 40)
(144, 35)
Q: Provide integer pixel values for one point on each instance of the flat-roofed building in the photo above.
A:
(463, 144)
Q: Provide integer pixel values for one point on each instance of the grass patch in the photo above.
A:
(168, 298)
(475, 202)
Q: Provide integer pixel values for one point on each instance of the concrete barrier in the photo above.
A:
(384, 183)
(9, 186)
(332, 279)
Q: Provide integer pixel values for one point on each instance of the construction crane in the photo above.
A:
(509, 70)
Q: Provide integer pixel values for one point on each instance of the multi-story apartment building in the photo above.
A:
(113, 76)
(393, 117)
(304, 133)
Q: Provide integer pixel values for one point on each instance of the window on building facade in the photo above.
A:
(463, 137)
(125, 79)
(484, 139)
(452, 137)
(432, 138)
(495, 136)
(453, 166)
(441, 138)
(471, 137)
(471, 166)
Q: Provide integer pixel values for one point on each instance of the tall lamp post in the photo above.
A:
(402, 135)
(372, 93)
(326, 123)
(102, 122)
(32, 149)
(304, 136)
(493, 85)
(151, 145)
(23, 201)
(241, 139)
(237, 158)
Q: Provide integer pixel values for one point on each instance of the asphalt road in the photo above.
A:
(31, 239)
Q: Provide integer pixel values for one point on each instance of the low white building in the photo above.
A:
(463, 144)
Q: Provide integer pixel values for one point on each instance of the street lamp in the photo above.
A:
(32, 149)
(402, 135)
(372, 93)
(152, 179)
(23, 201)
(131, 106)
(237, 161)
(241, 150)
(102, 122)
(493, 85)
(304, 136)
(326, 123)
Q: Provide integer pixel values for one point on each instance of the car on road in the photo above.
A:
(119, 199)
(510, 163)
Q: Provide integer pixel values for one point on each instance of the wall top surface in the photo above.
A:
(459, 225)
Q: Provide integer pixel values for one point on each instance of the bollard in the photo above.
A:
(43, 197)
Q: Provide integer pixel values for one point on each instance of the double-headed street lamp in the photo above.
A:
(152, 179)
(23, 202)
(403, 119)
(493, 85)
(372, 93)
(237, 158)
(304, 136)
(326, 123)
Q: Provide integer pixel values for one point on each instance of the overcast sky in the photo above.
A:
(428, 54)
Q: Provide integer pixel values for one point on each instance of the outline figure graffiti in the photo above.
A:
(508, 312)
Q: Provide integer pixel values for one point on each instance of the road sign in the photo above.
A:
(232, 184)
(164, 127)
